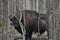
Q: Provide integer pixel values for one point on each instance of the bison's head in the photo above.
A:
(14, 21)
(13, 18)
(16, 24)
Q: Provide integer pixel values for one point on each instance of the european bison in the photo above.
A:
(31, 20)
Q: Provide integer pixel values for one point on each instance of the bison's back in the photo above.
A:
(31, 19)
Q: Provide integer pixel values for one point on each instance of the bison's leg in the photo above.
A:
(28, 35)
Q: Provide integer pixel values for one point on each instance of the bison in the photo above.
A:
(31, 22)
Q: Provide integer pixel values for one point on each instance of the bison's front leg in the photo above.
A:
(28, 39)
(28, 35)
